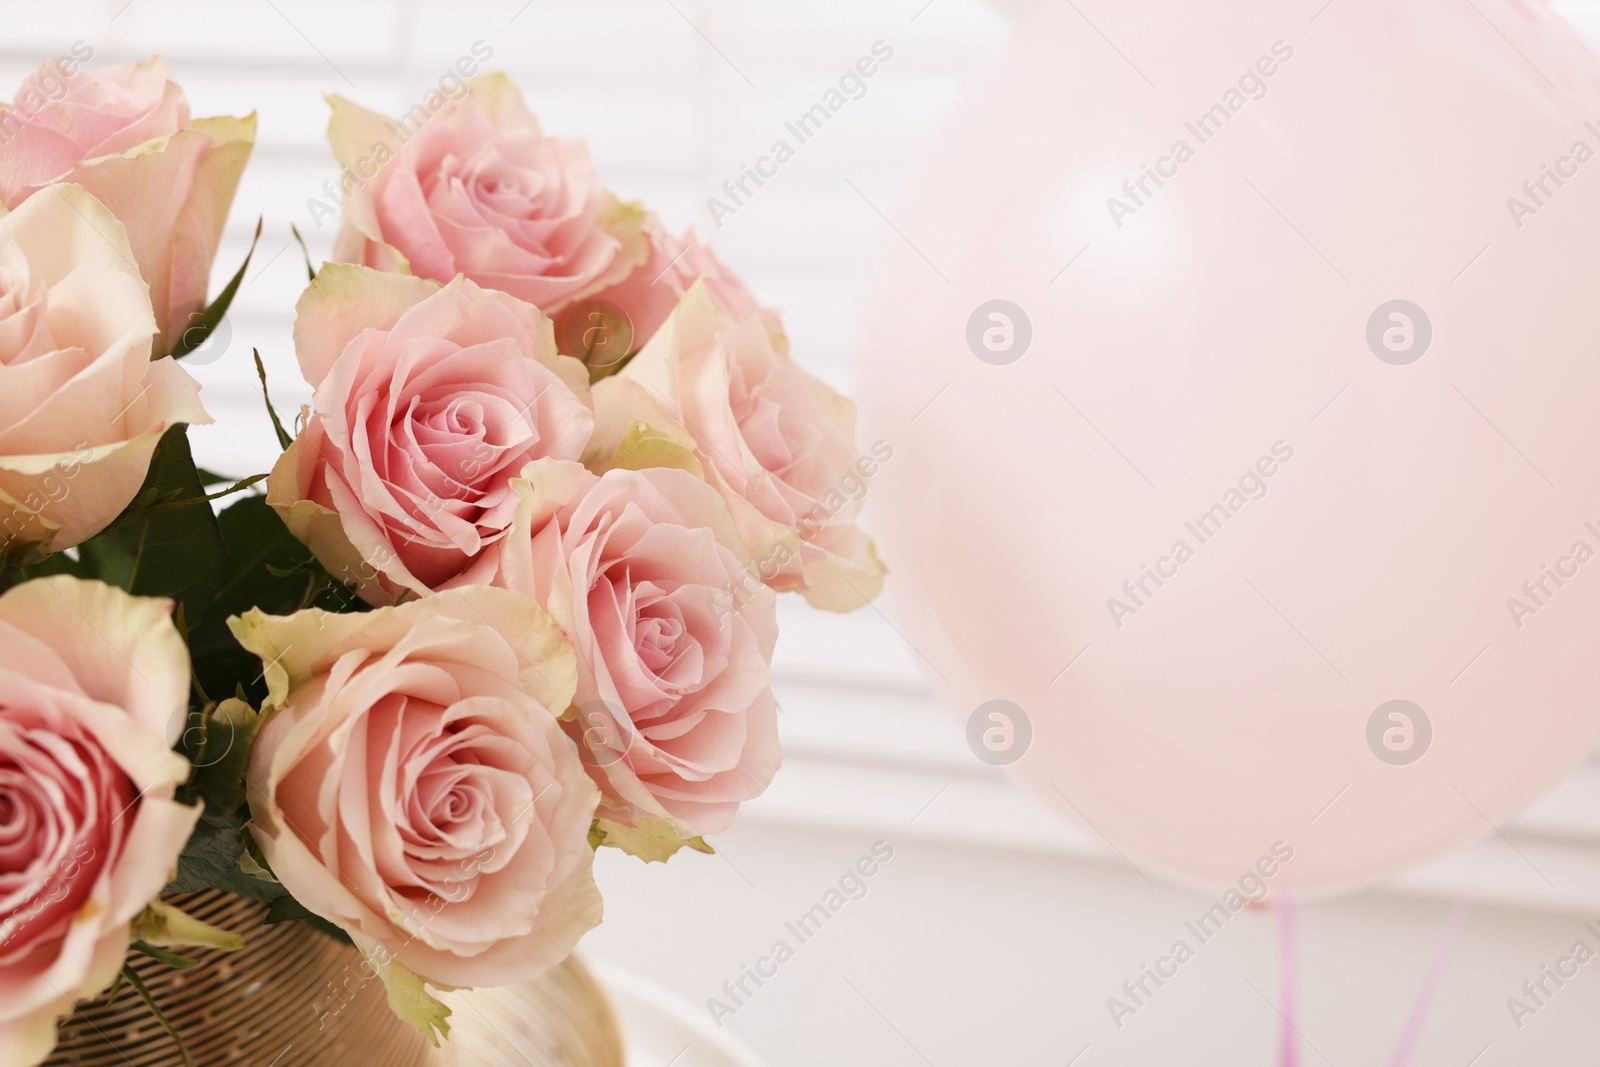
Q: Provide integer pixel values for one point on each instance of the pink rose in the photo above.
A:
(777, 443)
(429, 402)
(674, 707)
(94, 685)
(125, 134)
(81, 404)
(478, 189)
(651, 293)
(411, 784)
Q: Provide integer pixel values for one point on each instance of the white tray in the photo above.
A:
(662, 1029)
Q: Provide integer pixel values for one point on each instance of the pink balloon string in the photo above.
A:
(1289, 1046)
(1430, 985)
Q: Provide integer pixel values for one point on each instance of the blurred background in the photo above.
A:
(996, 932)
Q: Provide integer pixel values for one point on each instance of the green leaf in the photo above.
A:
(164, 926)
(150, 1002)
(266, 568)
(290, 910)
(311, 272)
(211, 861)
(653, 840)
(218, 745)
(197, 335)
(287, 910)
(253, 862)
(154, 549)
(209, 478)
(237, 487)
(150, 506)
(171, 959)
(408, 992)
(60, 563)
(284, 440)
(211, 854)
(259, 544)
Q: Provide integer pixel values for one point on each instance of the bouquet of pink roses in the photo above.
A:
(508, 596)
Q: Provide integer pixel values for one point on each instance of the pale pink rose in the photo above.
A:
(674, 706)
(429, 402)
(411, 784)
(125, 134)
(775, 441)
(478, 189)
(81, 404)
(650, 294)
(94, 686)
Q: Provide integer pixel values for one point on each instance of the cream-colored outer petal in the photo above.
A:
(344, 300)
(199, 226)
(123, 650)
(296, 648)
(71, 229)
(353, 134)
(848, 575)
(146, 190)
(87, 488)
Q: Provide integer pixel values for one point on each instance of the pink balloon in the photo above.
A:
(1335, 348)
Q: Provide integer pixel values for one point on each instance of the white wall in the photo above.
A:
(996, 933)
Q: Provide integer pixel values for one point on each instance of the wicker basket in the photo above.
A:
(293, 997)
